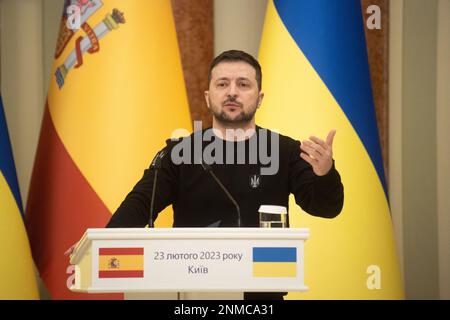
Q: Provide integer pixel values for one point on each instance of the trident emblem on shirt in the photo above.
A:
(255, 181)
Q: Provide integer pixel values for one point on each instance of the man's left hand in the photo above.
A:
(318, 153)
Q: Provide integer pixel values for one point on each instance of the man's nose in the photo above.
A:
(232, 90)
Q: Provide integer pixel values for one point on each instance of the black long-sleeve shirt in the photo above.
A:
(198, 200)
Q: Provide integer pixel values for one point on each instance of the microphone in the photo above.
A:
(208, 168)
(156, 165)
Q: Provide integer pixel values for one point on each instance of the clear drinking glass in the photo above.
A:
(272, 216)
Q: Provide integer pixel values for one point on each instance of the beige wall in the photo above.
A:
(238, 25)
(420, 143)
(443, 146)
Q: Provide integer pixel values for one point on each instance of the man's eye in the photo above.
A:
(221, 84)
(244, 84)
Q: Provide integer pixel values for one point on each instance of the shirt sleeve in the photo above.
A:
(134, 211)
(321, 196)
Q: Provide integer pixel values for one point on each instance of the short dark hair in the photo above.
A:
(237, 55)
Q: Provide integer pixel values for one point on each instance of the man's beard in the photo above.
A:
(241, 118)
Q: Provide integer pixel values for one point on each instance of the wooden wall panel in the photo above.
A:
(195, 31)
(378, 51)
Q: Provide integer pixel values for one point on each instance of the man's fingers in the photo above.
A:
(310, 150)
(318, 141)
(316, 146)
(308, 159)
(330, 137)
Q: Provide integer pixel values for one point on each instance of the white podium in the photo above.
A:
(189, 263)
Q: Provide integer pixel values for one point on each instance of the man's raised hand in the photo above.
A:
(318, 153)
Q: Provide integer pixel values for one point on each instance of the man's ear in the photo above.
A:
(260, 98)
(207, 99)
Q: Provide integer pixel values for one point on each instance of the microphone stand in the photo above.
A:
(156, 165)
(208, 168)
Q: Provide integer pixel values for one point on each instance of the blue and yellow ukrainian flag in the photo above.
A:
(17, 277)
(273, 262)
(314, 59)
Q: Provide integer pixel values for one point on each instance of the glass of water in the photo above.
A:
(272, 216)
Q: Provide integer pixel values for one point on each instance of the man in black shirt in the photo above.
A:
(256, 165)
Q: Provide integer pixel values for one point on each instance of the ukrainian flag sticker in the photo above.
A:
(273, 262)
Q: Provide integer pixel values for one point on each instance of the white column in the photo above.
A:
(238, 25)
(443, 146)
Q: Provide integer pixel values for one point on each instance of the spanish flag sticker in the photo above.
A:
(121, 263)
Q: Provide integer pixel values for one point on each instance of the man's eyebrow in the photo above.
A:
(222, 78)
(243, 78)
(240, 78)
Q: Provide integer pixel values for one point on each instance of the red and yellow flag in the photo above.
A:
(116, 94)
(121, 263)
